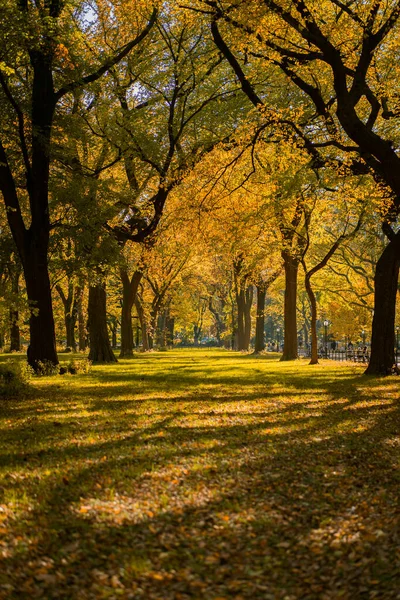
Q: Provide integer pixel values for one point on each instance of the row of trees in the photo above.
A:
(257, 137)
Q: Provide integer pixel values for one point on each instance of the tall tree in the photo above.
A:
(35, 77)
(339, 57)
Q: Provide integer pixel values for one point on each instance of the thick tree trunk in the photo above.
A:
(313, 306)
(259, 345)
(126, 331)
(42, 346)
(129, 290)
(100, 347)
(383, 326)
(15, 336)
(291, 266)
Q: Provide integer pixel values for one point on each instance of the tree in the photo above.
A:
(171, 110)
(346, 102)
(35, 77)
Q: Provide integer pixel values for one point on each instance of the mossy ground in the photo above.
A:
(202, 474)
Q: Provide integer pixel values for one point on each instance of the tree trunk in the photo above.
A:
(151, 331)
(234, 322)
(129, 290)
(240, 301)
(161, 330)
(248, 302)
(82, 342)
(383, 326)
(70, 330)
(196, 334)
(259, 345)
(100, 347)
(291, 266)
(218, 318)
(170, 330)
(42, 346)
(113, 328)
(313, 306)
(143, 324)
(15, 336)
(70, 314)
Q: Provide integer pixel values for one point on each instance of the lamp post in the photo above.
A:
(278, 335)
(326, 323)
(363, 337)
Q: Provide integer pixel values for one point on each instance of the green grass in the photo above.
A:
(202, 474)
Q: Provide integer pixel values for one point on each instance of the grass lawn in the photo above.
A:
(202, 474)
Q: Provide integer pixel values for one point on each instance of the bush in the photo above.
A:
(46, 368)
(14, 376)
(76, 366)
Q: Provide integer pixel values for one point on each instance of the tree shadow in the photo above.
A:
(285, 488)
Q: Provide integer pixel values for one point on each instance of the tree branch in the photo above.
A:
(109, 63)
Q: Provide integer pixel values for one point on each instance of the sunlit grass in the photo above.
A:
(202, 474)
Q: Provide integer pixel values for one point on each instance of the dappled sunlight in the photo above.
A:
(246, 474)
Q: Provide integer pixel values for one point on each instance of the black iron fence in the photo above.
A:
(353, 355)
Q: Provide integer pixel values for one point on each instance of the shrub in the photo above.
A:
(46, 368)
(77, 366)
(14, 376)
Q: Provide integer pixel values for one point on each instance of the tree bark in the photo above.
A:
(218, 315)
(162, 329)
(100, 347)
(113, 324)
(240, 302)
(129, 290)
(82, 338)
(143, 324)
(70, 314)
(15, 335)
(196, 334)
(234, 322)
(42, 347)
(313, 324)
(386, 279)
(170, 325)
(248, 302)
(291, 267)
(259, 345)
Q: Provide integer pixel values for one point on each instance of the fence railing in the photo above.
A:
(353, 355)
(357, 355)
(342, 355)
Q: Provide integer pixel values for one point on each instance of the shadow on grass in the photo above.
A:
(138, 485)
